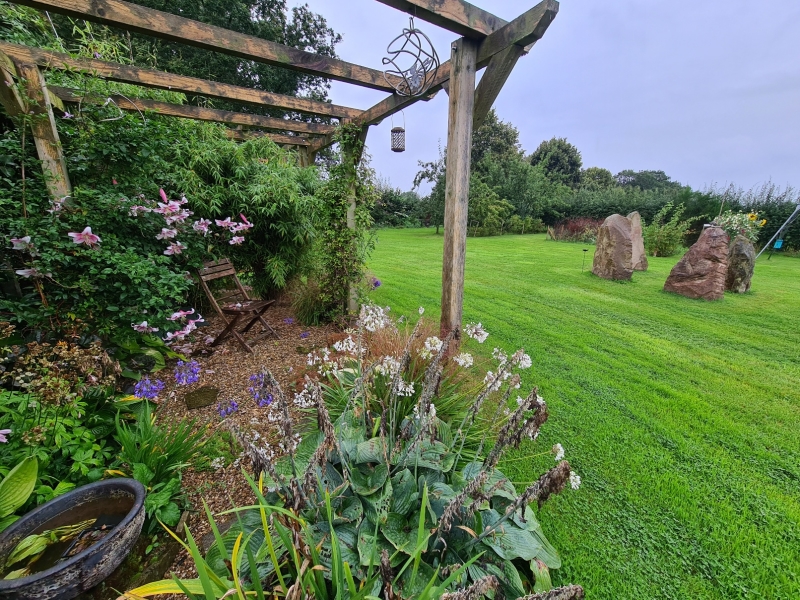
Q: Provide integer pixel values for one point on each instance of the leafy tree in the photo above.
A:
(597, 178)
(494, 137)
(646, 180)
(560, 160)
(488, 213)
(432, 208)
(396, 208)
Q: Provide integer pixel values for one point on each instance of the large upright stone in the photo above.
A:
(612, 258)
(741, 262)
(639, 258)
(701, 272)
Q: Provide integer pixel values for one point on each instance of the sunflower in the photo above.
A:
(752, 216)
(762, 222)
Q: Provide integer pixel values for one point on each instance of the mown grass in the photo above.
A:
(681, 416)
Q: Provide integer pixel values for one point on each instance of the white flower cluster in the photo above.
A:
(388, 366)
(290, 445)
(421, 310)
(558, 450)
(218, 463)
(575, 480)
(476, 332)
(346, 345)
(432, 346)
(303, 399)
(327, 366)
(405, 389)
(425, 418)
(464, 359)
(500, 356)
(373, 317)
(525, 362)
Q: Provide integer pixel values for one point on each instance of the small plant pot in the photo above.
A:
(113, 498)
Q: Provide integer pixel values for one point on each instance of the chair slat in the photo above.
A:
(212, 276)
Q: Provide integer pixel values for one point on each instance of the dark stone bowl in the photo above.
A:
(112, 498)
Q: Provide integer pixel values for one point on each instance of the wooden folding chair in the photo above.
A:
(233, 311)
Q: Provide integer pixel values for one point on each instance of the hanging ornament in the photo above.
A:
(399, 136)
(413, 59)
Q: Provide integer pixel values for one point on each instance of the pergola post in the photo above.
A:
(45, 134)
(352, 157)
(459, 154)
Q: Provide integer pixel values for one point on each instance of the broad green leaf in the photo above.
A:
(170, 514)
(166, 586)
(369, 547)
(371, 451)
(405, 495)
(17, 486)
(401, 532)
(142, 473)
(6, 521)
(410, 586)
(542, 574)
(376, 506)
(509, 541)
(367, 480)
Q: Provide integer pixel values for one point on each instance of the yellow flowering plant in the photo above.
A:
(735, 223)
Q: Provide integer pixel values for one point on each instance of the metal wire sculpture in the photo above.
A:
(414, 61)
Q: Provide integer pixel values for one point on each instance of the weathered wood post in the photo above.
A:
(45, 134)
(352, 157)
(459, 153)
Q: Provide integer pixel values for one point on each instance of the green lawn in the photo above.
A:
(681, 416)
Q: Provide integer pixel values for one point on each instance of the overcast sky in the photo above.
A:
(708, 92)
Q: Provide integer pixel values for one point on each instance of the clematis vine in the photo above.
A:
(135, 211)
(178, 217)
(174, 248)
(226, 223)
(180, 315)
(3, 434)
(202, 226)
(236, 240)
(143, 327)
(85, 237)
(22, 243)
(167, 234)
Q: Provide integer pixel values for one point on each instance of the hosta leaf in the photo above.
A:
(371, 451)
(548, 554)
(405, 495)
(429, 456)
(367, 480)
(509, 541)
(376, 506)
(6, 521)
(401, 532)
(369, 548)
(18, 485)
(439, 495)
(412, 587)
(542, 574)
(350, 511)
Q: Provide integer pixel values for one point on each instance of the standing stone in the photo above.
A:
(741, 262)
(639, 258)
(612, 258)
(701, 272)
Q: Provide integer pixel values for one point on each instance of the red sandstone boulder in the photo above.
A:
(639, 256)
(702, 270)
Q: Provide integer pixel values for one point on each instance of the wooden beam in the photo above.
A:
(522, 31)
(241, 136)
(459, 150)
(49, 59)
(454, 15)
(45, 134)
(200, 113)
(9, 94)
(352, 158)
(495, 76)
(148, 21)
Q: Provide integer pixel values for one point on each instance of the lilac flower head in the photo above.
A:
(262, 396)
(186, 373)
(304, 335)
(228, 410)
(68, 115)
(288, 320)
(148, 390)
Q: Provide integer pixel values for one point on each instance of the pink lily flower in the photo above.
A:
(21, 243)
(143, 327)
(135, 211)
(166, 234)
(227, 223)
(180, 314)
(202, 225)
(31, 273)
(3, 434)
(174, 248)
(236, 240)
(163, 195)
(85, 237)
(178, 217)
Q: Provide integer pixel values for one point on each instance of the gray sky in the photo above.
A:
(707, 91)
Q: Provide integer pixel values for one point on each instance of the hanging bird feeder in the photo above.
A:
(412, 59)
(399, 136)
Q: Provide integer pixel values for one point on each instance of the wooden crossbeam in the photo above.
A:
(522, 31)
(10, 97)
(495, 76)
(187, 31)
(199, 113)
(457, 16)
(49, 59)
(240, 136)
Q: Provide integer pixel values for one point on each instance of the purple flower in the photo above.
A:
(304, 335)
(288, 320)
(226, 411)
(186, 373)
(148, 390)
(3, 434)
(98, 56)
(376, 283)
(68, 115)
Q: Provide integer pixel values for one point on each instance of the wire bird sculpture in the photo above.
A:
(414, 61)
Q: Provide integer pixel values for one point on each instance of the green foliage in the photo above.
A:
(646, 180)
(597, 178)
(736, 223)
(488, 213)
(664, 237)
(395, 208)
(560, 160)
(15, 488)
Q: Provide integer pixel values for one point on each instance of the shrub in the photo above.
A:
(382, 500)
(578, 229)
(665, 238)
(517, 224)
(736, 223)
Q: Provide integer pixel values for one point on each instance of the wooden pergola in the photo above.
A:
(485, 41)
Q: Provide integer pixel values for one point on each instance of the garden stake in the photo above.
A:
(583, 264)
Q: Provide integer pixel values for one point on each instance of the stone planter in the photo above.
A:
(123, 498)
